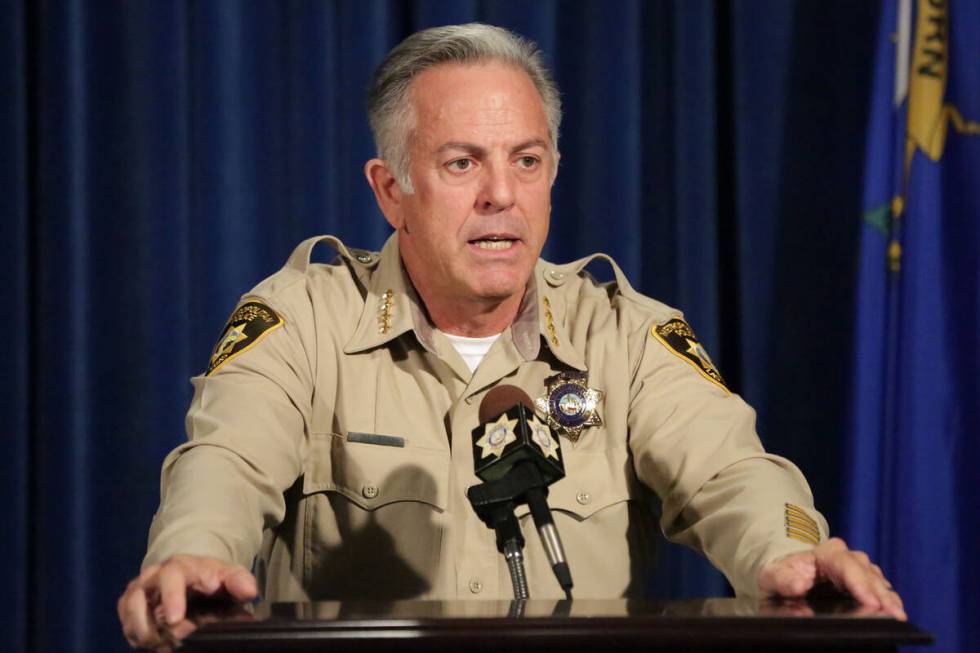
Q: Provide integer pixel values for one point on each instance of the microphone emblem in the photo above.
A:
(569, 404)
(541, 436)
(497, 436)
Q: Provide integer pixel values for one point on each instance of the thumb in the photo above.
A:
(240, 584)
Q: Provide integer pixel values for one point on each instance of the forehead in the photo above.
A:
(479, 99)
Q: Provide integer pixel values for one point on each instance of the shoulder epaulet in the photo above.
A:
(299, 260)
(557, 275)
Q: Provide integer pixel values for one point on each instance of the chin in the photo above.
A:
(500, 290)
(499, 282)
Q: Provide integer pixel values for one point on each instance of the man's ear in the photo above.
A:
(387, 192)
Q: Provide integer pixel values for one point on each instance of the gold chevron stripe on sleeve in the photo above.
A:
(800, 525)
(801, 536)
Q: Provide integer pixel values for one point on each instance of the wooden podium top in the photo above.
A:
(543, 625)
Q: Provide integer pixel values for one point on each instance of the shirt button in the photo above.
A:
(476, 586)
(555, 274)
(583, 498)
(364, 258)
(369, 491)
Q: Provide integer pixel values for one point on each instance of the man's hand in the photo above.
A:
(831, 561)
(153, 608)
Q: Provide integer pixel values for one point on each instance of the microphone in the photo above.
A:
(518, 457)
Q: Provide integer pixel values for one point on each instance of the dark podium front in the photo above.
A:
(543, 625)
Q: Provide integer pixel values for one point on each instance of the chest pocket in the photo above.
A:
(594, 480)
(376, 509)
(374, 475)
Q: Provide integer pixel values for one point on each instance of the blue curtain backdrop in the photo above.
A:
(160, 158)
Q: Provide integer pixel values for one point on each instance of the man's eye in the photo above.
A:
(528, 162)
(460, 165)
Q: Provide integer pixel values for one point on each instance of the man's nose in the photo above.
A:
(497, 190)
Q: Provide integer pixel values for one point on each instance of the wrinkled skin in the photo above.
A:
(482, 166)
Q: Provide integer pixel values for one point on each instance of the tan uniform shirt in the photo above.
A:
(283, 461)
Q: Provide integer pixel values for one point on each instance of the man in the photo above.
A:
(330, 444)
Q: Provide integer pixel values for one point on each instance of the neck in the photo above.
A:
(473, 318)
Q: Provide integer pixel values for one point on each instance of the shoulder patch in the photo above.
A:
(246, 327)
(680, 340)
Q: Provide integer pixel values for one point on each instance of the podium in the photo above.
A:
(547, 625)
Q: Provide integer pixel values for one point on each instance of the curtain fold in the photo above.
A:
(15, 336)
(161, 158)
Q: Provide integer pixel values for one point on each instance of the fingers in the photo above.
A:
(205, 576)
(153, 608)
(851, 571)
(134, 614)
(890, 601)
(173, 581)
(889, 597)
(791, 581)
(854, 571)
(137, 609)
(181, 631)
(180, 574)
(240, 584)
(791, 577)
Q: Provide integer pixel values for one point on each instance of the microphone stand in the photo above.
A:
(509, 531)
(494, 502)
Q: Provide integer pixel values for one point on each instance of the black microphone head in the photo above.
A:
(510, 433)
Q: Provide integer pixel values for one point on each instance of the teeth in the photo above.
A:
(493, 244)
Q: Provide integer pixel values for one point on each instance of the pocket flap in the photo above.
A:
(593, 480)
(372, 475)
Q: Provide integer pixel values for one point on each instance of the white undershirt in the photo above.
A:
(471, 349)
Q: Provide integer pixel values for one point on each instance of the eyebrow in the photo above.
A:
(472, 148)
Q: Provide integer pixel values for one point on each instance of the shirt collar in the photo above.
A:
(549, 316)
(392, 307)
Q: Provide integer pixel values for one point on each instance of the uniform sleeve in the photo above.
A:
(246, 443)
(695, 445)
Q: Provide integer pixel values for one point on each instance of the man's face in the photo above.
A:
(482, 165)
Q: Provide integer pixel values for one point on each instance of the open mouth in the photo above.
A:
(493, 243)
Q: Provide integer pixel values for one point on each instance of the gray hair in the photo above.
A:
(390, 110)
